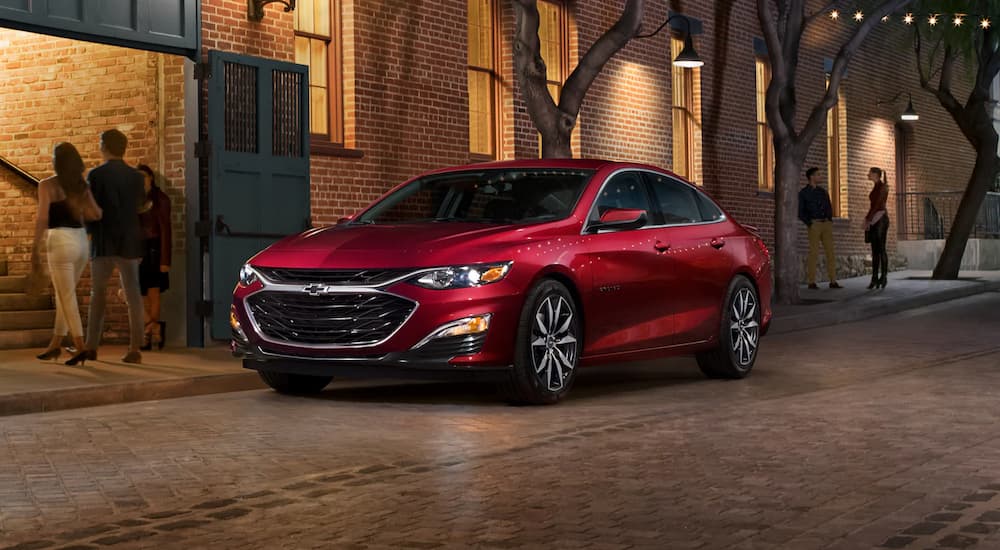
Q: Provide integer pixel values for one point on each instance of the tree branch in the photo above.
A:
(779, 72)
(597, 56)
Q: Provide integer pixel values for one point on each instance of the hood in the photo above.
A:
(396, 246)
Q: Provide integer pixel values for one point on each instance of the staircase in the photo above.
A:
(25, 321)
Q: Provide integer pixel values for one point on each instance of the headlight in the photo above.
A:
(463, 277)
(247, 275)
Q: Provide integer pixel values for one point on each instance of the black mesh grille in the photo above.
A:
(456, 346)
(350, 319)
(353, 277)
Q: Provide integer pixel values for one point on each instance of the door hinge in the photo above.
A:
(203, 149)
(203, 308)
(203, 229)
(202, 71)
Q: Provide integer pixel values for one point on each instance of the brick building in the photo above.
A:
(398, 87)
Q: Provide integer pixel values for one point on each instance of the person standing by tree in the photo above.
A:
(877, 226)
(116, 242)
(816, 212)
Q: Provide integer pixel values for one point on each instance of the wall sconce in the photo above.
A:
(255, 8)
(687, 58)
(909, 114)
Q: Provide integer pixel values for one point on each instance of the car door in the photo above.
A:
(626, 310)
(697, 260)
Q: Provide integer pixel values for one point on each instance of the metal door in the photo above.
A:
(170, 26)
(258, 129)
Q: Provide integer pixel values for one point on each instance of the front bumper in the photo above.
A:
(408, 348)
(394, 365)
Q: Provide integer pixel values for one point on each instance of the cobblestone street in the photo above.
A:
(882, 433)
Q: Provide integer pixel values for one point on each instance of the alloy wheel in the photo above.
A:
(554, 342)
(744, 328)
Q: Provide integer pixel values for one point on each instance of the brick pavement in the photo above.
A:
(876, 435)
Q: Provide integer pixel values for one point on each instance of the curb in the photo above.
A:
(126, 392)
(810, 320)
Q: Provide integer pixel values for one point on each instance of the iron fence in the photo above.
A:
(930, 215)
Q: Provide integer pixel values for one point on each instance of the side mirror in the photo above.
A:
(342, 221)
(620, 218)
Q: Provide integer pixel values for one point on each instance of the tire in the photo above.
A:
(547, 350)
(294, 384)
(739, 334)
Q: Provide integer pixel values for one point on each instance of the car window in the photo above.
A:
(710, 212)
(678, 202)
(624, 190)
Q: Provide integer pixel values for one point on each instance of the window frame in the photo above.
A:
(563, 10)
(334, 77)
(836, 169)
(495, 87)
(765, 136)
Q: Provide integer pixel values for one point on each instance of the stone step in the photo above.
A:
(21, 302)
(18, 339)
(11, 284)
(26, 320)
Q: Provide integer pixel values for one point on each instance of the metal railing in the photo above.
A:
(20, 172)
(930, 215)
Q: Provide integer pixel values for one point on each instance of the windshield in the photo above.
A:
(486, 196)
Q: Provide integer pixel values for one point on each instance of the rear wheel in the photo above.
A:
(547, 347)
(739, 335)
(294, 384)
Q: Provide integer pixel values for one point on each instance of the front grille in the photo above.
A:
(334, 277)
(455, 346)
(348, 319)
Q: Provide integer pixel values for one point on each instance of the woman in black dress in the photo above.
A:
(154, 271)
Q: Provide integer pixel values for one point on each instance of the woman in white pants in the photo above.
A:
(64, 204)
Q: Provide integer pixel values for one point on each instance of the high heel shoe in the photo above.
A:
(162, 335)
(874, 283)
(82, 357)
(147, 342)
(881, 282)
(49, 354)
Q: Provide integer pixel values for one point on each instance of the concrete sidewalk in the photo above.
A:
(28, 385)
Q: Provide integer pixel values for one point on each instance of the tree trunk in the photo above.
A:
(786, 178)
(983, 175)
(556, 144)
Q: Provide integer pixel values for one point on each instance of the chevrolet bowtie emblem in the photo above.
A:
(316, 289)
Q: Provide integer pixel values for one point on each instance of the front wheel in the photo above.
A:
(739, 335)
(547, 351)
(294, 384)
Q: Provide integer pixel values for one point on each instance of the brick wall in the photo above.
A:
(53, 90)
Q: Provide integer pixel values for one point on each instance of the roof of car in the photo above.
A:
(581, 164)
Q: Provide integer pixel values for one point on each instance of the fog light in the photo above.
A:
(234, 321)
(468, 326)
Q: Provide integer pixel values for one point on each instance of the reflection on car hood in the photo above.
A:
(395, 246)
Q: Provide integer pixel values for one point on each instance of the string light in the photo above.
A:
(908, 19)
(985, 23)
(858, 16)
(885, 18)
(932, 20)
(958, 20)
(834, 14)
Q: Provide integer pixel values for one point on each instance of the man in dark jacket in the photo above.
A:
(116, 242)
(816, 212)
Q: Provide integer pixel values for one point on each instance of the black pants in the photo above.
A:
(879, 233)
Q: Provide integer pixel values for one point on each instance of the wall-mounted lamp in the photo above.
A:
(909, 114)
(255, 8)
(687, 58)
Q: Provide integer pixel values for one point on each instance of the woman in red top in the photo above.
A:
(877, 226)
(154, 270)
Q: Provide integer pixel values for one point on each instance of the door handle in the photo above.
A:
(718, 242)
(661, 246)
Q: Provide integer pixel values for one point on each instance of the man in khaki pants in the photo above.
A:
(816, 212)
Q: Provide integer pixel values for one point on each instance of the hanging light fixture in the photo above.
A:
(910, 114)
(688, 58)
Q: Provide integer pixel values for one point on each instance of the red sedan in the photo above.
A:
(518, 271)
